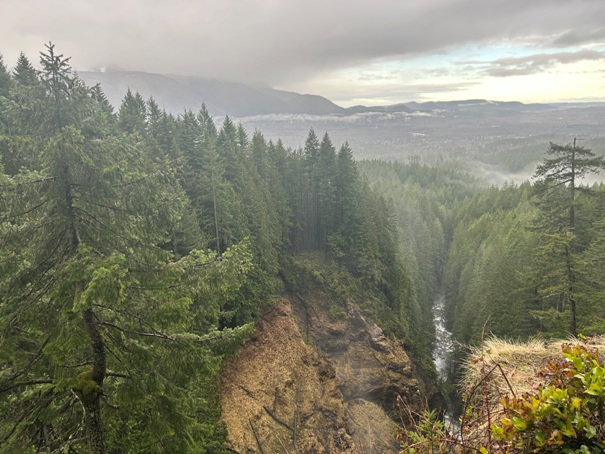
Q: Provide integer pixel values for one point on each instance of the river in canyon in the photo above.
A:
(443, 351)
(444, 343)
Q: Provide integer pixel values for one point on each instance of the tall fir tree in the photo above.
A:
(557, 189)
(91, 293)
(132, 115)
(311, 198)
(24, 72)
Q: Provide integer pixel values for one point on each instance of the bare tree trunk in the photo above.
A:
(571, 248)
(91, 385)
(570, 292)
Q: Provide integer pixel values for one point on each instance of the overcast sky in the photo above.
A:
(351, 51)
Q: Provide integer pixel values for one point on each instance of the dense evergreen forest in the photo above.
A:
(137, 248)
(523, 260)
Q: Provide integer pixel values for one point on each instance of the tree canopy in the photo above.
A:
(136, 249)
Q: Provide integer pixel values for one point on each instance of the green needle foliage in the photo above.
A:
(559, 195)
(103, 329)
(136, 248)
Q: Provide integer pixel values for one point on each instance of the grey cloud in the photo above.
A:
(396, 93)
(536, 63)
(390, 76)
(278, 41)
(441, 87)
(580, 36)
(438, 72)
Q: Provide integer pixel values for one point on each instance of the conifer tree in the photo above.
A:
(132, 114)
(326, 191)
(91, 293)
(311, 198)
(6, 83)
(5, 79)
(58, 81)
(24, 73)
(99, 96)
(154, 113)
(593, 275)
(270, 167)
(295, 179)
(557, 189)
(347, 199)
(228, 148)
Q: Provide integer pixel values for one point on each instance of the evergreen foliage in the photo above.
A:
(94, 290)
(559, 197)
(500, 254)
(425, 201)
(136, 249)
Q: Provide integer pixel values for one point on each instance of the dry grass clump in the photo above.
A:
(499, 368)
(518, 363)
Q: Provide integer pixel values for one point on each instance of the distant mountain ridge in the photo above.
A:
(176, 93)
(474, 104)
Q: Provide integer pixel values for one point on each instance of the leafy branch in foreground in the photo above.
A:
(566, 414)
(562, 412)
(108, 335)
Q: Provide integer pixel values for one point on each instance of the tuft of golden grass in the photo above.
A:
(503, 367)
(519, 361)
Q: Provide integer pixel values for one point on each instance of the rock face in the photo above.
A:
(374, 372)
(281, 395)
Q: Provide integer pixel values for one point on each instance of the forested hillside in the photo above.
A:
(524, 260)
(136, 248)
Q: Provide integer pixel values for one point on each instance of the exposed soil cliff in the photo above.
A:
(315, 380)
(373, 371)
(280, 395)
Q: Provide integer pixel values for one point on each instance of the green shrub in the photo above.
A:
(336, 313)
(565, 415)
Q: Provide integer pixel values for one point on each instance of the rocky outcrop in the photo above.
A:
(318, 377)
(374, 372)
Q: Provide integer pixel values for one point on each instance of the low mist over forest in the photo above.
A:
(502, 141)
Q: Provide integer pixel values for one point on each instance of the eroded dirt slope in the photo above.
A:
(309, 382)
(280, 395)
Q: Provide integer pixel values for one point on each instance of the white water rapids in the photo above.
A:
(442, 353)
(444, 344)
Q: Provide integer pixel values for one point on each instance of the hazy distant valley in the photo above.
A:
(503, 139)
